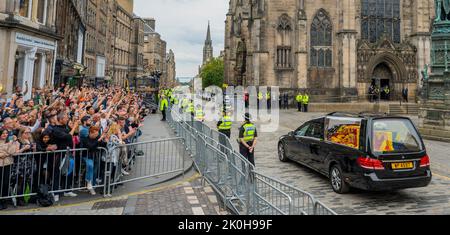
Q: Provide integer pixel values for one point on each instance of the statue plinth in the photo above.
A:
(440, 47)
(434, 114)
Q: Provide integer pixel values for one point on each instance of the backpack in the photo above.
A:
(44, 198)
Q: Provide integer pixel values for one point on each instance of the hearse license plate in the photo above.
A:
(402, 165)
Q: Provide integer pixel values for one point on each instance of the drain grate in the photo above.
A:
(109, 205)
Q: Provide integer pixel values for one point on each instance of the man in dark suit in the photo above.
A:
(405, 94)
(286, 101)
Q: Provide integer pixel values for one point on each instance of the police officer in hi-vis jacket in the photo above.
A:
(247, 139)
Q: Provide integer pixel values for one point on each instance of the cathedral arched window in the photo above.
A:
(284, 48)
(321, 51)
(380, 17)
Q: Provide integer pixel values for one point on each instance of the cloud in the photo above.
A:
(182, 24)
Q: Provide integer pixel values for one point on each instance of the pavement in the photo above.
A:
(434, 199)
(171, 194)
(186, 197)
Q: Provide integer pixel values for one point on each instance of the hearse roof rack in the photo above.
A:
(359, 115)
(373, 114)
(342, 114)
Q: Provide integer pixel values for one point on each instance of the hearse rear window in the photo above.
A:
(395, 136)
(343, 131)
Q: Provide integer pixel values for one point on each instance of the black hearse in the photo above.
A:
(373, 152)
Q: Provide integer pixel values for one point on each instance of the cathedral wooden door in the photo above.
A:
(384, 74)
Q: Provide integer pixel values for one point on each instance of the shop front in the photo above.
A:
(33, 62)
(71, 73)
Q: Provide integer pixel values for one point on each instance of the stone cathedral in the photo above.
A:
(329, 48)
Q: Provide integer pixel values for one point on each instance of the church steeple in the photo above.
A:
(207, 48)
(208, 36)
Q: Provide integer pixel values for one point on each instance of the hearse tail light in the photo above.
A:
(425, 161)
(370, 163)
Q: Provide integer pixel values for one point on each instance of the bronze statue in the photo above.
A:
(446, 4)
(438, 8)
(442, 10)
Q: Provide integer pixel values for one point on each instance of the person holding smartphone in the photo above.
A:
(7, 150)
(24, 167)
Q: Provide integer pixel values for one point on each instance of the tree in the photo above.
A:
(212, 73)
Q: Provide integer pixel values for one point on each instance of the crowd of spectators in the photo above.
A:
(55, 120)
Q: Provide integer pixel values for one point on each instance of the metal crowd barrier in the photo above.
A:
(270, 200)
(149, 104)
(321, 209)
(158, 158)
(102, 167)
(241, 188)
(63, 171)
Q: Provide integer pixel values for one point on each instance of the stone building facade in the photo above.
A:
(48, 42)
(28, 44)
(122, 42)
(91, 38)
(110, 40)
(108, 49)
(330, 48)
(98, 38)
(154, 51)
(170, 69)
(137, 49)
(71, 28)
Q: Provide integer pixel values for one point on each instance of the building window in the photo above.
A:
(284, 49)
(321, 51)
(284, 57)
(41, 11)
(380, 17)
(25, 8)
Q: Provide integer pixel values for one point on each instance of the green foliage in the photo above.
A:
(212, 73)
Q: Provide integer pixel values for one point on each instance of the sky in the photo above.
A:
(182, 24)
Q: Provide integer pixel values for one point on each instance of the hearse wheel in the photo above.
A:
(282, 153)
(337, 181)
